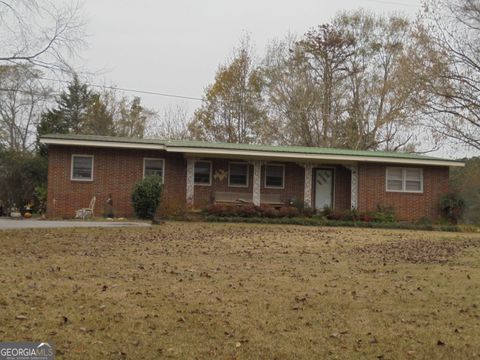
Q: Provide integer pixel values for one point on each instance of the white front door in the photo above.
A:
(323, 188)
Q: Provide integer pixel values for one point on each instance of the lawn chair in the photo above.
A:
(86, 212)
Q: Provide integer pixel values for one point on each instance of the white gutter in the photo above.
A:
(108, 144)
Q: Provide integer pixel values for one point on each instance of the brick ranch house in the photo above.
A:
(196, 174)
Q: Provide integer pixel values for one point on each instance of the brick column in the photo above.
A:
(353, 187)
(307, 193)
(257, 175)
(190, 182)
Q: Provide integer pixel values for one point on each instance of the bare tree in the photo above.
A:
(172, 124)
(455, 90)
(39, 33)
(21, 101)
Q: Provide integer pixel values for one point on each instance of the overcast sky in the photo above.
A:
(176, 46)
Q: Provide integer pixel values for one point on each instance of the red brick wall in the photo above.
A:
(407, 206)
(115, 172)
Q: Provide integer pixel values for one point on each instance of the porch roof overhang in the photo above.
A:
(244, 151)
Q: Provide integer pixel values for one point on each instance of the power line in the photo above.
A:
(131, 90)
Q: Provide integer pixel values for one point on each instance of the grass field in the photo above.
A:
(242, 291)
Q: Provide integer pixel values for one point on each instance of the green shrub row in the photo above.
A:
(383, 215)
(249, 211)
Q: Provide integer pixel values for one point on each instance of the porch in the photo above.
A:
(275, 183)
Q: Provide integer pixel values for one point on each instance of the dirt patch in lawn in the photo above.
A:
(416, 251)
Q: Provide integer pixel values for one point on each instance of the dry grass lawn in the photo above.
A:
(241, 291)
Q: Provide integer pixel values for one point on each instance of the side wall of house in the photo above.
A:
(407, 206)
(115, 172)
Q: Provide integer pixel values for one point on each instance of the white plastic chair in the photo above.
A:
(86, 212)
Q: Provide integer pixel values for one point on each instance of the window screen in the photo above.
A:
(238, 174)
(274, 176)
(202, 172)
(82, 167)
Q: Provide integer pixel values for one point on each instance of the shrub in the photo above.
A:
(366, 218)
(326, 211)
(20, 173)
(424, 221)
(452, 206)
(146, 196)
(384, 214)
(40, 195)
(247, 211)
(268, 211)
(308, 211)
(333, 215)
(288, 211)
(351, 215)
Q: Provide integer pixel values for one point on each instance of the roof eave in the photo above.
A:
(97, 143)
(312, 157)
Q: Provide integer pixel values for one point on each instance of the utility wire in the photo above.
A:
(131, 90)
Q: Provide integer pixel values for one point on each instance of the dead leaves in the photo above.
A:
(186, 290)
(420, 251)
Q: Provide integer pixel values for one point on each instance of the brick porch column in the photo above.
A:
(307, 193)
(257, 175)
(353, 187)
(190, 182)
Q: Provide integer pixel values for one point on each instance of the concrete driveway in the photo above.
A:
(7, 224)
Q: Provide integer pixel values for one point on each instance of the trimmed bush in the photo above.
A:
(146, 196)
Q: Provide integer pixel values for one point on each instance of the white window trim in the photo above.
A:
(265, 177)
(71, 167)
(404, 180)
(210, 178)
(248, 173)
(163, 167)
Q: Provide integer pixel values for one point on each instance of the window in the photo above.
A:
(404, 179)
(238, 174)
(274, 176)
(203, 173)
(153, 167)
(82, 167)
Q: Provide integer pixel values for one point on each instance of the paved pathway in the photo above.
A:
(7, 223)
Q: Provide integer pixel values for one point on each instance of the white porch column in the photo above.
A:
(190, 181)
(307, 194)
(354, 187)
(257, 176)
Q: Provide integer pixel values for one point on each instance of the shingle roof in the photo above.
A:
(249, 147)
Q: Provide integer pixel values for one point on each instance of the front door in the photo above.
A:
(323, 188)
